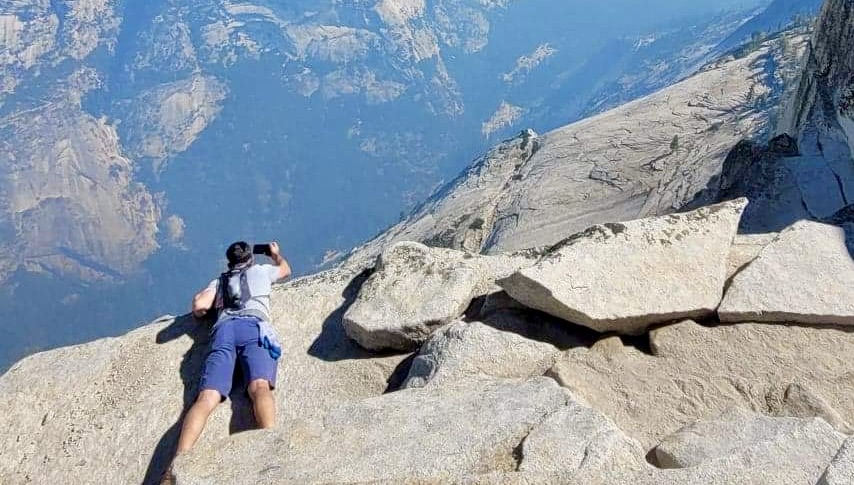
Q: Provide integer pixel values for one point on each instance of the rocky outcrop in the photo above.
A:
(616, 166)
(415, 290)
(824, 91)
(471, 408)
(788, 281)
(698, 372)
(841, 469)
(465, 349)
(470, 428)
(625, 277)
(818, 179)
(116, 418)
(461, 215)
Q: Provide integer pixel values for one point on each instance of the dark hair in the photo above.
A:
(237, 253)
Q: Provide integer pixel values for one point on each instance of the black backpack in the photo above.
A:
(234, 286)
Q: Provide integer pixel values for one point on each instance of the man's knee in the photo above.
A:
(209, 398)
(259, 387)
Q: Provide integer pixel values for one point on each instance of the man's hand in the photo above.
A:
(281, 262)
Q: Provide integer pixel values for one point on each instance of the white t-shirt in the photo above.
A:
(260, 278)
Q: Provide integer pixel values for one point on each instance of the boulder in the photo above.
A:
(442, 431)
(791, 280)
(626, 277)
(576, 438)
(841, 469)
(795, 456)
(415, 290)
(109, 411)
(698, 372)
(471, 348)
(740, 429)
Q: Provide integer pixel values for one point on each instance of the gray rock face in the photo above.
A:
(625, 277)
(790, 282)
(817, 112)
(738, 429)
(616, 166)
(699, 372)
(464, 349)
(827, 73)
(416, 290)
(841, 469)
(418, 433)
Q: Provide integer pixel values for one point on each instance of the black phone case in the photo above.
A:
(261, 249)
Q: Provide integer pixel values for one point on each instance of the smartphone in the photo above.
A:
(262, 249)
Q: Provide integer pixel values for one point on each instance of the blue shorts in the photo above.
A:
(236, 339)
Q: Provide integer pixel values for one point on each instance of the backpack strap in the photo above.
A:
(222, 293)
(245, 294)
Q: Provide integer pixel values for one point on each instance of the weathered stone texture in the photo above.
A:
(624, 277)
(699, 372)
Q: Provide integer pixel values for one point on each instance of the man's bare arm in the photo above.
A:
(279, 260)
(203, 301)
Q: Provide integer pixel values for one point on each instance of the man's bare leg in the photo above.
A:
(196, 418)
(262, 403)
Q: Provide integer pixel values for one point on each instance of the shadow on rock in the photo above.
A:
(501, 312)
(190, 370)
(844, 218)
(242, 414)
(333, 344)
(397, 378)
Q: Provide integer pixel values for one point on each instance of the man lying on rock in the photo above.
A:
(242, 334)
